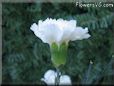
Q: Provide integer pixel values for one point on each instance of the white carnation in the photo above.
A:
(59, 31)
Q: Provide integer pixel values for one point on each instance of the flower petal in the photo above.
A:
(49, 73)
(64, 23)
(50, 33)
(34, 28)
(65, 80)
(79, 34)
(67, 27)
(66, 34)
(49, 77)
(59, 31)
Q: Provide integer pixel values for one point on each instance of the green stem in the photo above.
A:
(57, 79)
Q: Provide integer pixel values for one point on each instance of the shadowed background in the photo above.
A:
(26, 58)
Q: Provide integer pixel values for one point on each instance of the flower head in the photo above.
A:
(50, 75)
(59, 31)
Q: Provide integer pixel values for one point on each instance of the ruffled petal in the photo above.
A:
(66, 35)
(50, 33)
(59, 31)
(79, 34)
(67, 27)
(34, 27)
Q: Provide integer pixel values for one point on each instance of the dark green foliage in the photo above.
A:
(26, 58)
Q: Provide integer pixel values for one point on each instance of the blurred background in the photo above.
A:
(25, 58)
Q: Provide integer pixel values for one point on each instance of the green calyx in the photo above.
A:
(58, 54)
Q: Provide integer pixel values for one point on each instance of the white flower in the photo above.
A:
(65, 80)
(50, 75)
(59, 31)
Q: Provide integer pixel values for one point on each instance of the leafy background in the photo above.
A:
(26, 58)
